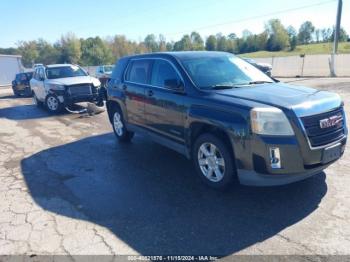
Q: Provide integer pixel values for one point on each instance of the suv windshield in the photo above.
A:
(227, 70)
(64, 72)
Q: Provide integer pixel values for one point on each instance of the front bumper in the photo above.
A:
(68, 99)
(296, 164)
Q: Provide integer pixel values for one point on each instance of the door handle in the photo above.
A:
(150, 93)
(124, 87)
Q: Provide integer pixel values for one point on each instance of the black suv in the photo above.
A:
(20, 85)
(231, 119)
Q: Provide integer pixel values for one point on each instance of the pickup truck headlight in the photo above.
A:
(270, 121)
(56, 87)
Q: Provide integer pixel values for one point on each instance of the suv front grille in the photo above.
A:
(323, 136)
(80, 90)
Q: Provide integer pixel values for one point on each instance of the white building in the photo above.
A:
(10, 65)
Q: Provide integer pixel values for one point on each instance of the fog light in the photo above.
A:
(275, 158)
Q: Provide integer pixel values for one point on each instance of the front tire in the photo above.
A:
(53, 104)
(119, 128)
(213, 162)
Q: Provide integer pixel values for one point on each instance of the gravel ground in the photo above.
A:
(66, 187)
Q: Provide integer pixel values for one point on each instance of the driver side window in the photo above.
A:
(41, 74)
(164, 75)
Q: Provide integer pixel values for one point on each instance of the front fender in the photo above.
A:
(233, 123)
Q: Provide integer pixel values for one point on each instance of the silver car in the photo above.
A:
(61, 85)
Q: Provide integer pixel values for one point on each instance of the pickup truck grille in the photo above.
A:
(323, 136)
(80, 90)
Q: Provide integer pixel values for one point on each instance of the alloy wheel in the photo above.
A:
(118, 124)
(211, 162)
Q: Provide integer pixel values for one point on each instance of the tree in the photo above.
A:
(343, 36)
(293, 39)
(170, 46)
(95, 52)
(231, 43)
(278, 35)
(70, 49)
(197, 41)
(210, 44)
(120, 47)
(326, 34)
(305, 32)
(221, 43)
(184, 44)
(29, 52)
(48, 54)
(162, 43)
(151, 43)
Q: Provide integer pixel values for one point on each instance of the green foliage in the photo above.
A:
(70, 48)
(278, 38)
(94, 51)
(29, 52)
(305, 32)
(97, 51)
(211, 43)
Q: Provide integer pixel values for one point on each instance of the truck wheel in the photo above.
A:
(36, 101)
(213, 162)
(53, 104)
(119, 127)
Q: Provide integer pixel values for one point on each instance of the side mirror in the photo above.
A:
(174, 84)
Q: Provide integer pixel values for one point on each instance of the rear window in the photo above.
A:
(138, 71)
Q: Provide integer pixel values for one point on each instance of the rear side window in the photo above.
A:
(163, 73)
(138, 71)
(119, 69)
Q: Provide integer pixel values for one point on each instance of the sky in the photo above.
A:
(29, 20)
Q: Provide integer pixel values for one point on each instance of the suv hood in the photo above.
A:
(302, 100)
(68, 81)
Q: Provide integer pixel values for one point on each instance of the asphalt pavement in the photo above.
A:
(67, 187)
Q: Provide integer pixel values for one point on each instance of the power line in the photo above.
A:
(254, 17)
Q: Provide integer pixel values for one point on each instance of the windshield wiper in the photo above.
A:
(259, 82)
(221, 87)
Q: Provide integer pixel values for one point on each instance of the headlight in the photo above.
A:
(56, 87)
(270, 121)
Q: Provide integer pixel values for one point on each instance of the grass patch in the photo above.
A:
(311, 49)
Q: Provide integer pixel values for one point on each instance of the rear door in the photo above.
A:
(164, 106)
(136, 79)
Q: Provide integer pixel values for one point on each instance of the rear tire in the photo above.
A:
(213, 162)
(119, 128)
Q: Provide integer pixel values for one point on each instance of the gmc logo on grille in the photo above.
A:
(332, 121)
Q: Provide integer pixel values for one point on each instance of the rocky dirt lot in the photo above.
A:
(67, 187)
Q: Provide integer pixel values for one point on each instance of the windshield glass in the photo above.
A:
(108, 69)
(210, 72)
(64, 72)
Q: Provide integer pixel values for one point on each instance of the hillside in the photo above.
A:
(311, 49)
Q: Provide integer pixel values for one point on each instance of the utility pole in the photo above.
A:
(336, 37)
